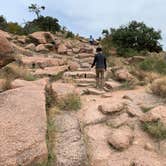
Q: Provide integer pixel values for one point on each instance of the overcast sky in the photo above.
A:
(88, 17)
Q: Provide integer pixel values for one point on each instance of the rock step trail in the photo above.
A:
(114, 134)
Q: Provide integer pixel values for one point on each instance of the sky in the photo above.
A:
(90, 17)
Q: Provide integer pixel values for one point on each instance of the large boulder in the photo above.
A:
(114, 107)
(7, 35)
(30, 46)
(41, 48)
(62, 49)
(123, 75)
(61, 90)
(23, 126)
(69, 143)
(6, 51)
(121, 138)
(42, 37)
(155, 114)
(41, 62)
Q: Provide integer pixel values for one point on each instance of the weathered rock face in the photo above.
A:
(50, 71)
(42, 37)
(23, 126)
(62, 89)
(41, 48)
(121, 138)
(73, 66)
(69, 143)
(62, 49)
(5, 34)
(123, 75)
(30, 46)
(158, 113)
(5, 51)
(41, 62)
(22, 83)
(113, 108)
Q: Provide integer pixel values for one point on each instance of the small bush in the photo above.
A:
(158, 87)
(14, 71)
(5, 84)
(56, 77)
(71, 102)
(154, 63)
(127, 52)
(70, 35)
(155, 129)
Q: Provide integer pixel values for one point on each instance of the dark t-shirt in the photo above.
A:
(99, 61)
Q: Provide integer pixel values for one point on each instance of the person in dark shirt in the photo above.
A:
(101, 66)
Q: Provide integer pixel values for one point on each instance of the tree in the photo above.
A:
(3, 23)
(137, 36)
(14, 27)
(105, 32)
(36, 9)
(42, 24)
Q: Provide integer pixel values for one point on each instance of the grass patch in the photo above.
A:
(56, 77)
(155, 129)
(128, 85)
(14, 71)
(155, 63)
(71, 102)
(146, 109)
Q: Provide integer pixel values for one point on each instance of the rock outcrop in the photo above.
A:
(6, 51)
(23, 126)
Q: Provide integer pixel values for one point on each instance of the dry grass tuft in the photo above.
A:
(158, 87)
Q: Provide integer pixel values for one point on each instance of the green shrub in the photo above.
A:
(154, 63)
(131, 39)
(71, 102)
(42, 24)
(155, 129)
(127, 52)
(70, 34)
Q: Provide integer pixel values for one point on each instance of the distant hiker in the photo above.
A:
(91, 40)
(101, 66)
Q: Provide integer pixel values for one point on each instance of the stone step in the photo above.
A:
(80, 74)
(85, 85)
(85, 80)
(93, 91)
(83, 69)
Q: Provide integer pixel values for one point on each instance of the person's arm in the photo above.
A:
(94, 62)
(105, 63)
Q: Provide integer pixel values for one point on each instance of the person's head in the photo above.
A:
(98, 49)
(91, 36)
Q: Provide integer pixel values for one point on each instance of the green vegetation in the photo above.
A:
(14, 71)
(155, 129)
(70, 102)
(36, 9)
(70, 34)
(42, 24)
(56, 77)
(131, 39)
(154, 63)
